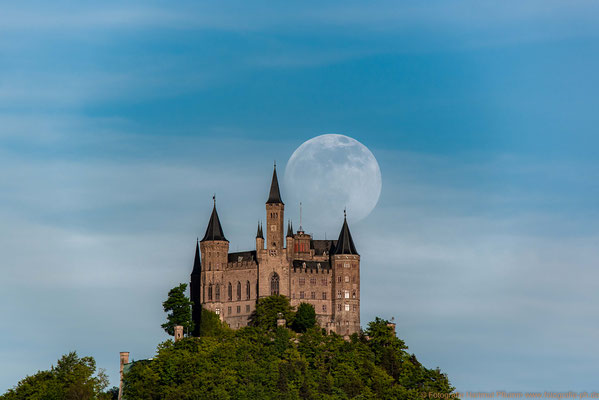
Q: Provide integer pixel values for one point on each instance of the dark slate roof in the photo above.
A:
(289, 229)
(197, 264)
(214, 230)
(311, 264)
(345, 243)
(259, 233)
(320, 246)
(274, 196)
(242, 256)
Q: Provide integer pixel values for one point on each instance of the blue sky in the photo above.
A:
(118, 122)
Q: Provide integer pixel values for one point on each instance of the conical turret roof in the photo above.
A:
(214, 230)
(274, 196)
(345, 243)
(197, 264)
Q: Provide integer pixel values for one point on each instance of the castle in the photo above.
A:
(324, 273)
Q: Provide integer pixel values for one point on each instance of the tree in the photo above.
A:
(268, 309)
(73, 378)
(210, 324)
(178, 307)
(305, 318)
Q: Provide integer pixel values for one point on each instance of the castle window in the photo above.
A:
(338, 307)
(313, 295)
(217, 292)
(238, 309)
(210, 292)
(354, 307)
(346, 279)
(247, 308)
(346, 295)
(274, 284)
(339, 294)
(217, 311)
(347, 307)
(247, 290)
(324, 295)
(346, 265)
(353, 295)
(324, 281)
(301, 295)
(302, 281)
(324, 308)
(230, 293)
(312, 281)
(238, 290)
(229, 310)
(339, 279)
(209, 266)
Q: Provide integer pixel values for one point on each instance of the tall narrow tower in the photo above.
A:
(275, 210)
(346, 283)
(195, 291)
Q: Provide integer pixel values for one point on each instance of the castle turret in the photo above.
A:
(195, 291)
(259, 238)
(345, 261)
(275, 209)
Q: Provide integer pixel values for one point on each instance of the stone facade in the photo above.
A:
(324, 273)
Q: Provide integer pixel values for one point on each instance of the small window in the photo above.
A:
(324, 281)
(346, 265)
(339, 278)
(238, 291)
(346, 294)
(324, 295)
(346, 279)
(247, 308)
(313, 295)
(217, 292)
(302, 281)
(247, 290)
(229, 310)
(354, 307)
(301, 295)
(338, 307)
(312, 281)
(230, 293)
(210, 292)
(217, 311)
(339, 294)
(274, 284)
(353, 295)
(238, 309)
(347, 307)
(324, 308)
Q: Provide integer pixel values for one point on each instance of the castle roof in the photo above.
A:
(345, 243)
(320, 246)
(259, 234)
(289, 229)
(242, 256)
(274, 196)
(214, 230)
(197, 264)
(309, 264)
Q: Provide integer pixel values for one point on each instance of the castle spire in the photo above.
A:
(345, 243)
(274, 196)
(289, 229)
(214, 230)
(197, 264)
(259, 234)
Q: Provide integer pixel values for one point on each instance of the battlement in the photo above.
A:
(311, 267)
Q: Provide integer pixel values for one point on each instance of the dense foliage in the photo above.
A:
(268, 310)
(178, 309)
(73, 378)
(268, 362)
(304, 318)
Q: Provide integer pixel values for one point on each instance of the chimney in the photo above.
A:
(124, 360)
(178, 333)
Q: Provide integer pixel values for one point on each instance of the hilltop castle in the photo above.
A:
(324, 273)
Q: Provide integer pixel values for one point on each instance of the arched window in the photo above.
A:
(238, 290)
(210, 292)
(217, 292)
(247, 290)
(230, 292)
(274, 284)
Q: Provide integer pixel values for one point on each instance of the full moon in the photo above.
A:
(329, 173)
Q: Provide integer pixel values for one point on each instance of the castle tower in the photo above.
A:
(275, 210)
(195, 291)
(345, 261)
(259, 238)
(289, 240)
(215, 249)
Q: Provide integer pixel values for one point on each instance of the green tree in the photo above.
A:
(267, 310)
(178, 309)
(305, 318)
(211, 325)
(73, 378)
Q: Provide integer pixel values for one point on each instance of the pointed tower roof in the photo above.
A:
(259, 233)
(289, 229)
(274, 196)
(214, 230)
(345, 243)
(197, 264)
